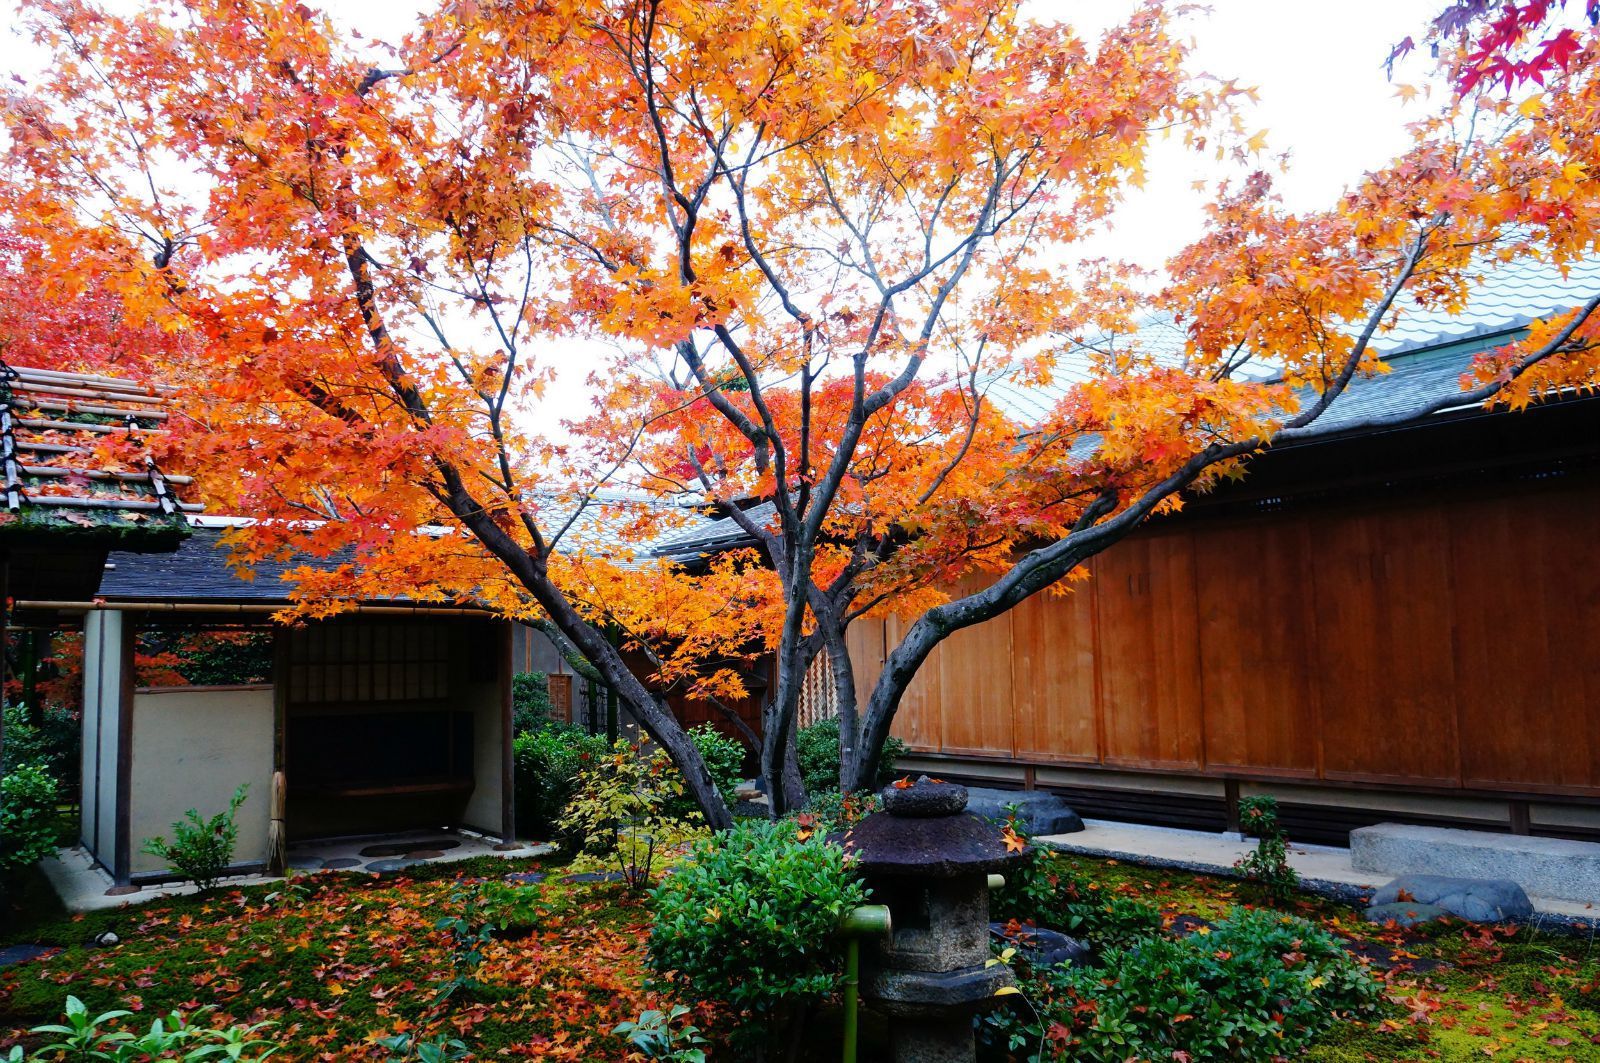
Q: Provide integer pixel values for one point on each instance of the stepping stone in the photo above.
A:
(389, 867)
(526, 878)
(1041, 947)
(1185, 925)
(595, 876)
(1477, 900)
(1039, 813)
(306, 863)
(1405, 913)
(424, 854)
(392, 849)
(13, 954)
(1387, 958)
(339, 863)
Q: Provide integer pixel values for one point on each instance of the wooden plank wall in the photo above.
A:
(1448, 644)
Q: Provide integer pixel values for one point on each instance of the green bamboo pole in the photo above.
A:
(858, 922)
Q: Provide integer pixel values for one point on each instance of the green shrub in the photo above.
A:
(817, 749)
(623, 808)
(1268, 867)
(724, 759)
(656, 1034)
(547, 762)
(81, 1037)
(27, 818)
(828, 811)
(201, 849)
(751, 920)
(1259, 986)
(1045, 892)
(54, 744)
(531, 707)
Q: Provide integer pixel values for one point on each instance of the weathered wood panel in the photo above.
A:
(975, 693)
(1148, 648)
(918, 720)
(1384, 646)
(1055, 698)
(1439, 643)
(1256, 647)
(1526, 641)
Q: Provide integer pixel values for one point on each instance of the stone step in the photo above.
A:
(1545, 867)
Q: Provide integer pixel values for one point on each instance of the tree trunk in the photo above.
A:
(780, 768)
(844, 699)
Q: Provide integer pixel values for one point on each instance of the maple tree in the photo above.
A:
(1502, 40)
(813, 238)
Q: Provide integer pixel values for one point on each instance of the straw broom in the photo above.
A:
(277, 834)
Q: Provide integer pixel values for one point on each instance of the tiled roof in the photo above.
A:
(198, 571)
(53, 484)
(1427, 351)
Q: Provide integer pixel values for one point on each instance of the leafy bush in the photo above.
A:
(623, 808)
(201, 849)
(547, 763)
(1259, 986)
(1045, 892)
(53, 744)
(1267, 867)
(829, 811)
(81, 1037)
(751, 920)
(531, 707)
(724, 759)
(27, 818)
(654, 1034)
(817, 749)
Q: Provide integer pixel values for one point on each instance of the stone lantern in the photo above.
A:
(929, 860)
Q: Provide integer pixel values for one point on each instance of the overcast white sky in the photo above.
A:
(1324, 98)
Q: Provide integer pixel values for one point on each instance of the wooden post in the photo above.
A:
(1230, 799)
(1520, 816)
(508, 806)
(122, 858)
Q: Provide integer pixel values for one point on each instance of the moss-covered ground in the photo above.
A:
(339, 961)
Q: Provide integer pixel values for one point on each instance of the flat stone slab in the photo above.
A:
(12, 954)
(1039, 812)
(392, 849)
(339, 863)
(390, 867)
(591, 877)
(1546, 867)
(1041, 947)
(1405, 913)
(526, 878)
(1477, 900)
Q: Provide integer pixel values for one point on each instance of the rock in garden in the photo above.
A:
(595, 876)
(1477, 900)
(1041, 947)
(525, 878)
(22, 953)
(339, 863)
(1038, 812)
(1405, 913)
(389, 867)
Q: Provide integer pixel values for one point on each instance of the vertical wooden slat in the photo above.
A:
(1148, 649)
(1385, 647)
(1053, 676)
(1256, 646)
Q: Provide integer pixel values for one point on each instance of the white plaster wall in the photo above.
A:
(191, 749)
(485, 700)
(102, 697)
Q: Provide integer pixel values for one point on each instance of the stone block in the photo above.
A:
(1040, 813)
(1544, 867)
